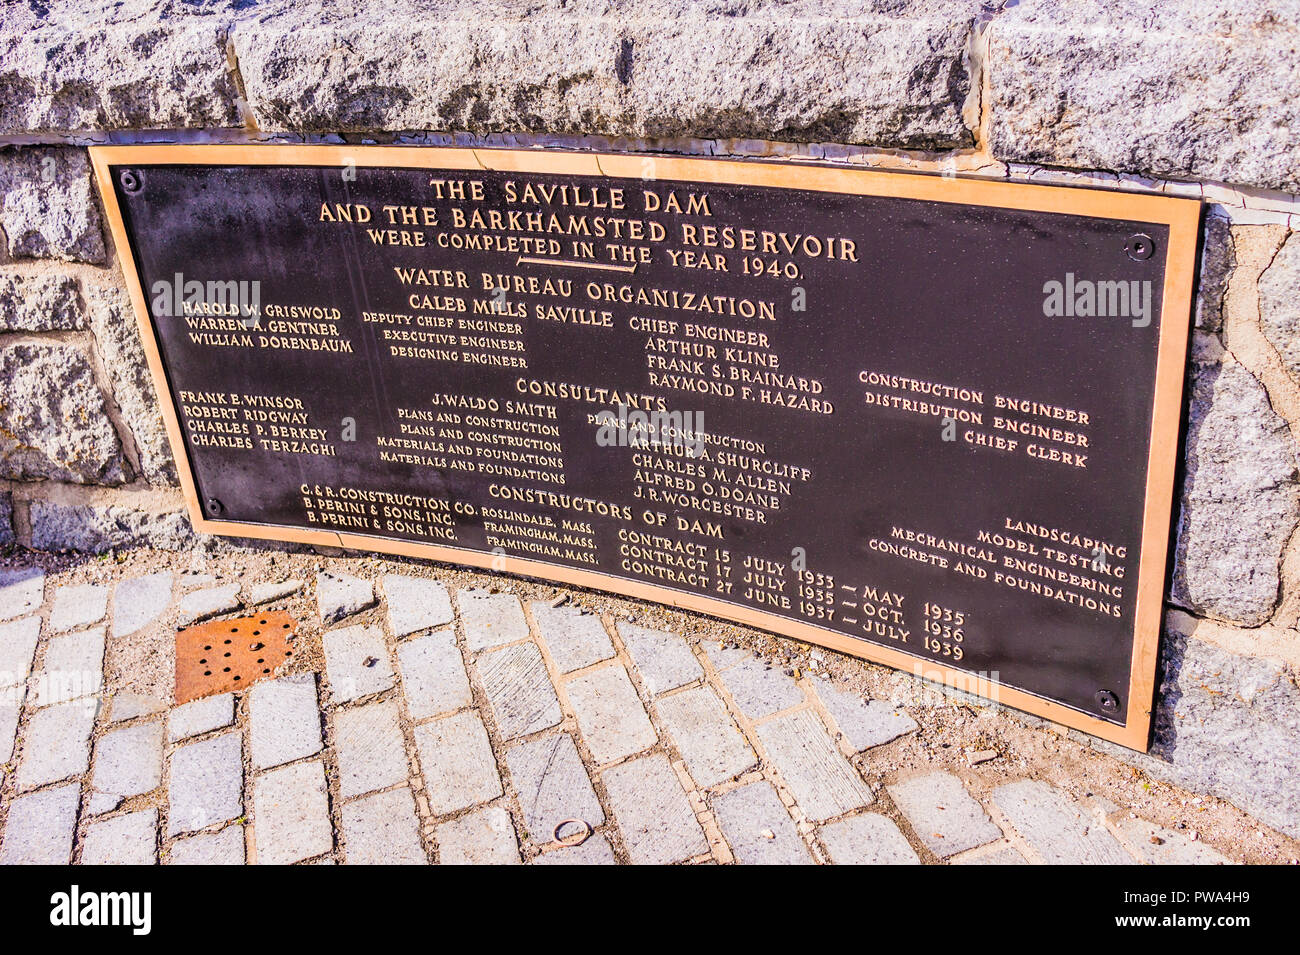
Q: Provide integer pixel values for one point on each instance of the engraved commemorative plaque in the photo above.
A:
(931, 422)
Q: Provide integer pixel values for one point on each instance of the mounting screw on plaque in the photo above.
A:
(1107, 700)
(213, 507)
(132, 181)
(1140, 247)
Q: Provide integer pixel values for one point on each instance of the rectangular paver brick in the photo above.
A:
(710, 744)
(201, 716)
(356, 660)
(210, 848)
(614, 724)
(864, 723)
(40, 827)
(821, 779)
(128, 762)
(17, 648)
(456, 762)
(200, 604)
(519, 689)
(371, 748)
(207, 784)
(1055, 826)
(652, 812)
(664, 660)
(552, 785)
(256, 594)
(78, 605)
(130, 839)
(575, 639)
(869, 839)
(483, 837)
(433, 675)
(383, 829)
(22, 590)
(293, 814)
(758, 828)
(760, 690)
(341, 595)
(1157, 845)
(490, 620)
(943, 814)
(73, 667)
(416, 604)
(139, 601)
(11, 707)
(57, 743)
(284, 720)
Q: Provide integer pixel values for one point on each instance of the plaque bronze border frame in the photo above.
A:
(1182, 216)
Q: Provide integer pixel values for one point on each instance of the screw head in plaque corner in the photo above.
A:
(1108, 701)
(132, 181)
(213, 507)
(1140, 247)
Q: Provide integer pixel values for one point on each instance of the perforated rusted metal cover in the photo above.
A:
(225, 655)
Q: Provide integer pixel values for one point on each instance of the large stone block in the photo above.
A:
(47, 206)
(53, 420)
(95, 528)
(1174, 88)
(39, 303)
(1240, 499)
(1279, 303)
(886, 73)
(79, 64)
(119, 346)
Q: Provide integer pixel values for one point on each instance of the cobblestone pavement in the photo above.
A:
(434, 715)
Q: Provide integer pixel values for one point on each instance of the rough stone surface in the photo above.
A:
(759, 689)
(1159, 846)
(341, 595)
(207, 784)
(943, 814)
(1279, 303)
(864, 723)
(758, 828)
(78, 605)
(118, 342)
(201, 716)
(256, 594)
(17, 648)
(293, 814)
(483, 837)
(552, 785)
(1177, 88)
(595, 851)
(814, 70)
(490, 620)
(47, 204)
(53, 421)
(383, 830)
(1218, 259)
(822, 781)
(95, 528)
(610, 715)
(653, 813)
(11, 706)
(357, 663)
(56, 744)
(73, 667)
(139, 601)
(869, 839)
(415, 604)
(200, 604)
(1004, 856)
(457, 763)
(7, 536)
(284, 720)
(22, 590)
(1055, 827)
(217, 848)
(433, 675)
(519, 689)
(128, 762)
(371, 748)
(39, 303)
(39, 828)
(1240, 498)
(129, 839)
(663, 659)
(711, 746)
(575, 639)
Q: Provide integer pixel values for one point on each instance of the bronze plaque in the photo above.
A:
(931, 422)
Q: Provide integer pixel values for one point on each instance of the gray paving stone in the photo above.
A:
(723, 657)
(341, 595)
(383, 829)
(945, 817)
(78, 605)
(758, 828)
(552, 785)
(356, 660)
(73, 667)
(456, 762)
(869, 839)
(22, 590)
(1003, 856)
(433, 675)
(575, 639)
(652, 812)
(284, 720)
(710, 744)
(125, 705)
(130, 839)
(11, 707)
(519, 689)
(264, 593)
(139, 601)
(1157, 845)
(215, 848)
(595, 851)
(17, 648)
(614, 724)
(864, 723)
(293, 814)
(759, 690)
(207, 784)
(128, 762)
(822, 781)
(201, 716)
(483, 837)
(1055, 827)
(101, 803)
(56, 744)
(40, 827)
(416, 604)
(200, 604)
(371, 748)
(490, 620)
(663, 659)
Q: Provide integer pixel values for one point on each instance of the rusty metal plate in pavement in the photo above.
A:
(224, 655)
